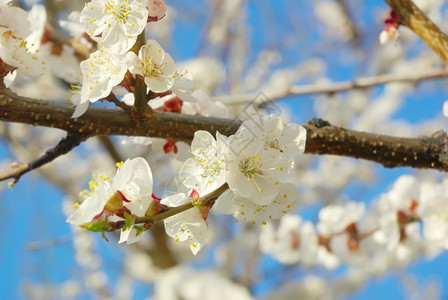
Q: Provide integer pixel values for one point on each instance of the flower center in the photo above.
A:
(213, 168)
(273, 144)
(119, 10)
(249, 166)
(106, 66)
(115, 201)
(150, 69)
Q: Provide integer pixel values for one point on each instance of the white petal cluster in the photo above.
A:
(115, 24)
(193, 285)
(188, 226)
(335, 218)
(17, 49)
(251, 162)
(247, 210)
(433, 211)
(258, 156)
(389, 34)
(156, 66)
(396, 207)
(133, 182)
(294, 241)
(204, 106)
(101, 72)
(205, 171)
(409, 220)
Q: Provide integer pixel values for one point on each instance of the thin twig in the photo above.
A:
(334, 87)
(209, 198)
(65, 145)
(112, 98)
(50, 243)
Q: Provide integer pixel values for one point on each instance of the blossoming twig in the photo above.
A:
(412, 17)
(208, 199)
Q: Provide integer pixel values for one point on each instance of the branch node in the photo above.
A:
(319, 123)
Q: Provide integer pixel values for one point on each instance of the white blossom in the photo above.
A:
(188, 226)
(15, 50)
(131, 187)
(294, 241)
(101, 72)
(156, 66)
(205, 171)
(335, 218)
(73, 24)
(433, 211)
(389, 34)
(115, 24)
(204, 106)
(287, 138)
(396, 208)
(246, 210)
(259, 155)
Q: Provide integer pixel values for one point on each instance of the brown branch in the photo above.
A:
(112, 98)
(141, 106)
(423, 152)
(65, 145)
(106, 121)
(330, 88)
(323, 138)
(413, 18)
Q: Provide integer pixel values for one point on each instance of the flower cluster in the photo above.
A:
(258, 156)
(124, 197)
(244, 173)
(115, 25)
(409, 220)
(18, 50)
(251, 163)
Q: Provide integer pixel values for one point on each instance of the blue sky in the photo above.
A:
(32, 211)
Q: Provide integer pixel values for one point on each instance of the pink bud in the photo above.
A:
(156, 10)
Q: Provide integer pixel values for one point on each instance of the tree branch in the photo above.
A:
(330, 88)
(413, 18)
(106, 121)
(322, 137)
(65, 145)
(141, 100)
(423, 152)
